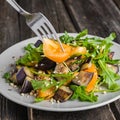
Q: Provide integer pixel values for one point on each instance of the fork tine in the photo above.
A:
(36, 31)
(51, 28)
(41, 30)
(53, 36)
(46, 28)
(46, 31)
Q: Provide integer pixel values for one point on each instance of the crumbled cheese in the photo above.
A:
(58, 101)
(104, 92)
(12, 84)
(36, 65)
(75, 58)
(76, 77)
(22, 94)
(57, 86)
(31, 93)
(52, 100)
(42, 64)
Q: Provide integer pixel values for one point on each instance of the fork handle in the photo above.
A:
(17, 7)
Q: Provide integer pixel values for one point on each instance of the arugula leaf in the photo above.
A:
(63, 76)
(7, 76)
(81, 34)
(66, 38)
(81, 94)
(114, 87)
(109, 77)
(110, 38)
(38, 99)
(45, 84)
(33, 54)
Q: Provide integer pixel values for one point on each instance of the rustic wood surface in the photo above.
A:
(100, 17)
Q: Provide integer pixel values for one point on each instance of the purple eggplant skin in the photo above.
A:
(72, 65)
(114, 68)
(20, 76)
(63, 94)
(27, 86)
(46, 64)
(83, 78)
(111, 54)
(61, 68)
(37, 44)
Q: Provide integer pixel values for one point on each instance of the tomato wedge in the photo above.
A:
(92, 83)
(52, 50)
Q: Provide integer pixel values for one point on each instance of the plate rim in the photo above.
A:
(56, 109)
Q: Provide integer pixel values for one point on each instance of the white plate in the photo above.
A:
(6, 58)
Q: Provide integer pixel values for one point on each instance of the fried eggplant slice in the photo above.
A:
(63, 94)
(71, 63)
(61, 68)
(46, 64)
(20, 76)
(83, 78)
(111, 54)
(26, 86)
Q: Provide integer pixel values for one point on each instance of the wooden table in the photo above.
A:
(100, 17)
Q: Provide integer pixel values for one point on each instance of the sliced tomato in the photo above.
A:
(92, 83)
(52, 50)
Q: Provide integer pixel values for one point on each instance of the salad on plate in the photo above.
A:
(85, 67)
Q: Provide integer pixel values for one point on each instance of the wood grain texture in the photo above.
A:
(115, 107)
(9, 35)
(117, 2)
(11, 111)
(55, 11)
(99, 18)
(25, 31)
(95, 114)
(9, 31)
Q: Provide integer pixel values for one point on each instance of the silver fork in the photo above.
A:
(39, 24)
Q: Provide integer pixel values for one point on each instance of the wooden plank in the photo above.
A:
(115, 106)
(11, 111)
(25, 31)
(55, 12)
(9, 32)
(99, 18)
(93, 114)
(117, 2)
(9, 35)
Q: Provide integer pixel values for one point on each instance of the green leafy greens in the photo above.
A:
(98, 49)
(81, 94)
(32, 55)
(46, 84)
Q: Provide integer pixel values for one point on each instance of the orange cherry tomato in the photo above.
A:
(48, 93)
(92, 83)
(52, 50)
